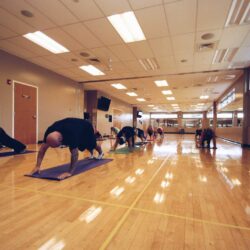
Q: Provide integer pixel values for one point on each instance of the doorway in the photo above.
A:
(25, 113)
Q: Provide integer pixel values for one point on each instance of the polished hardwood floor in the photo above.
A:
(167, 195)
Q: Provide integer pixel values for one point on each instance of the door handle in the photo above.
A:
(34, 116)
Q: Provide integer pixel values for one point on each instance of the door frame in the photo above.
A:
(13, 106)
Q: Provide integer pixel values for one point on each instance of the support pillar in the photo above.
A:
(246, 109)
(135, 116)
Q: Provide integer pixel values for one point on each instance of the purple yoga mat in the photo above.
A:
(81, 166)
(9, 153)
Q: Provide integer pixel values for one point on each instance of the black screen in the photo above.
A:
(103, 103)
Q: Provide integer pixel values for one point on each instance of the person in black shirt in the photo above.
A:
(140, 133)
(9, 142)
(73, 132)
(126, 134)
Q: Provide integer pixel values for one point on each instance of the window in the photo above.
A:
(192, 116)
(162, 115)
(230, 97)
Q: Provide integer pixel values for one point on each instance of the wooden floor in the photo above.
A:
(168, 195)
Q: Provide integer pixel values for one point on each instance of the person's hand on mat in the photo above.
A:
(64, 175)
(36, 170)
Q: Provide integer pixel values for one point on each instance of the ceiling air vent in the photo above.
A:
(203, 47)
(239, 13)
(94, 60)
(149, 64)
(224, 55)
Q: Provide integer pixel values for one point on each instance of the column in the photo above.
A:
(205, 120)
(246, 109)
(235, 119)
(90, 105)
(214, 116)
(135, 116)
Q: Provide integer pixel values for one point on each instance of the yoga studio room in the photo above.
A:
(124, 124)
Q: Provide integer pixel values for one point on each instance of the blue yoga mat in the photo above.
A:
(9, 153)
(81, 166)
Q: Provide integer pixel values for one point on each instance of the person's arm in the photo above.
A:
(116, 144)
(40, 157)
(73, 161)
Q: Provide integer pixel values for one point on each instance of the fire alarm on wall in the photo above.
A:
(9, 81)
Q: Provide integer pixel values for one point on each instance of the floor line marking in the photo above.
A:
(126, 214)
(134, 208)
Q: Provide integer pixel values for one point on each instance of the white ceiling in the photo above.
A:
(173, 30)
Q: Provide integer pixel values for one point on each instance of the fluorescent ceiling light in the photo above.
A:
(167, 92)
(127, 27)
(149, 64)
(239, 13)
(171, 98)
(201, 104)
(118, 86)
(224, 55)
(161, 83)
(92, 70)
(176, 105)
(151, 105)
(204, 97)
(140, 99)
(131, 93)
(46, 42)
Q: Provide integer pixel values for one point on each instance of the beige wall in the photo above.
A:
(58, 97)
(103, 124)
(233, 134)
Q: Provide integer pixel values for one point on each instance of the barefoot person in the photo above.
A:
(76, 133)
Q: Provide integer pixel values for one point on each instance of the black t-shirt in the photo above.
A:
(77, 133)
(127, 132)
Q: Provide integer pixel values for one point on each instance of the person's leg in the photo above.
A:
(10, 142)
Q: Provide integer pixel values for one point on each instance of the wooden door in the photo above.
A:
(25, 101)
(117, 120)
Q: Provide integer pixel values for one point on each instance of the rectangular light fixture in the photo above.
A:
(127, 27)
(131, 93)
(175, 105)
(151, 105)
(46, 42)
(140, 99)
(201, 104)
(166, 92)
(171, 98)
(161, 83)
(224, 55)
(92, 70)
(239, 13)
(204, 97)
(118, 86)
(149, 63)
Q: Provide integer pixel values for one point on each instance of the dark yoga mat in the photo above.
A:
(9, 153)
(140, 143)
(81, 166)
(124, 150)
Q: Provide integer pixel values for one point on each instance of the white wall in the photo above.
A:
(58, 97)
(103, 124)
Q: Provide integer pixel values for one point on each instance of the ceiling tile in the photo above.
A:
(104, 31)
(80, 33)
(153, 22)
(27, 44)
(111, 7)
(141, 49)
(181, 16)
(216, 34)
(161, 47)
(54, 10)
(122, 52)
(64, 39)
(38, 20)
(15, 49)
(14, 23)
(212, 14)
(83, 9)
(6, 32)
(143, 4)
(243, 54)
(203, 57)
(233, 37)
(183, 43)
